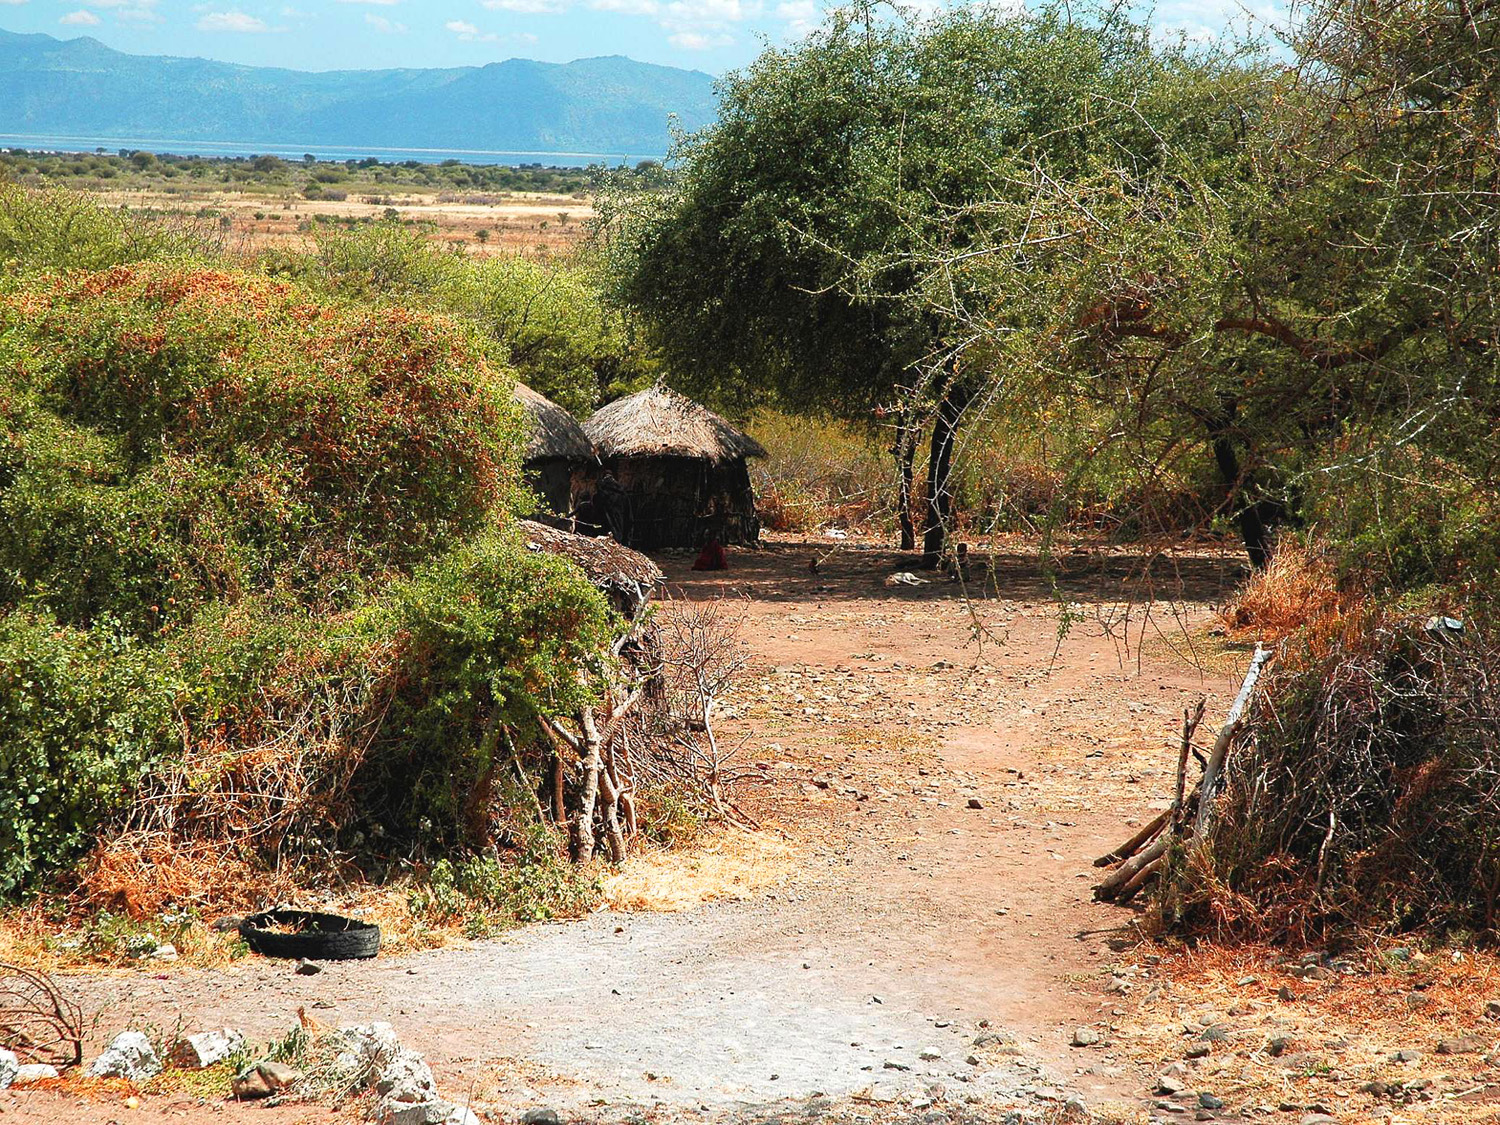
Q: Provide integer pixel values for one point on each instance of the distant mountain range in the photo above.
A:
(80, 87)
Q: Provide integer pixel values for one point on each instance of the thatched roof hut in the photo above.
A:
(659, 422)
(675, 472)
(559, 457)
(627, 577)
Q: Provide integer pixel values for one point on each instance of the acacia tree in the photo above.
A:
(787, 264)
(1308, 299)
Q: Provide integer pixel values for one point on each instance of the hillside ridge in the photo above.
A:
(606, 104)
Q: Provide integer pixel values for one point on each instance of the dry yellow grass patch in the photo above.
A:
(727, 863)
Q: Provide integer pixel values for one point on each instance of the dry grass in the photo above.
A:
(728, 863)
(1298, 588)
(514, 222)
(1340, 1034)
(721, 863)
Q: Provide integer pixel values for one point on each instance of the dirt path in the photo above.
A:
(943, 798)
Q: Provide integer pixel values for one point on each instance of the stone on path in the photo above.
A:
(1461, 1045)
(249, 1085)
(406, 1079)
(195, 1052)
(129, 1056)
(262, 1079)
(9, 1067)
(435, 1112)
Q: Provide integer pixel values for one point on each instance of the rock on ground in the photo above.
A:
(434, 1112)
(363, 1051)
(195, 1052)
(31, 1072)
(129, 1056)
(9, 1066)
(406, 1078)
(262, 1079)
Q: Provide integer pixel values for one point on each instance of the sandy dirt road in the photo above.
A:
(943, 792)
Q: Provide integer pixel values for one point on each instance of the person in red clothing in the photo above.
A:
(712, 557)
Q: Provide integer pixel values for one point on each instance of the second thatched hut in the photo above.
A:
(674, 472)
(559, 458)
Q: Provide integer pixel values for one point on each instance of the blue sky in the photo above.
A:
(711, 35)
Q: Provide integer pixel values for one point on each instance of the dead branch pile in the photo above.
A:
(1141, 859)
(1361, 789)
(37, 1021)
(654, 728)
(230, 821)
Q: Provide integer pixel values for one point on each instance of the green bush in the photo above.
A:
(258, 572)
(487, 636)
(82, 714)
(485, 894)
(58, 229)
(176, 436)
(545, 319)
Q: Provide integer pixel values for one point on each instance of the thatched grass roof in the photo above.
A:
(555, 433)
(658, 422)
(627, 574)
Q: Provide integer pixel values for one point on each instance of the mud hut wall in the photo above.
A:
(728, 506)
(554, 480)
(685, 501)
(665, 497)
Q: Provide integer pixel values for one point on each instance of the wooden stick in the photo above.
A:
(1190, 721)
(1213, 772)
(1132, 845)
(1108, 888)
(1142, 877)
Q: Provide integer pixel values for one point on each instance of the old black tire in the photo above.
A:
(320, 937)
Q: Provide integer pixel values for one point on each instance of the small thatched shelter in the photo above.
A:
(559, 458)
(675, 473)
(627, 578)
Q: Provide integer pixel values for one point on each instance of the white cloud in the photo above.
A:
(800, 16)
(131, 11)
(1201, 21)
(12, 1)
(383, 25)
(710, 12)
(377, 3)
(626, 7)
(526, 7)
(237, 22)
(469, 33)
(698, 41)
(80, 18)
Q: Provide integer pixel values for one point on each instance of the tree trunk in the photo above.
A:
(1259, 518)
(593, 765)
(478, 803)
(906, 455)
(939, 503)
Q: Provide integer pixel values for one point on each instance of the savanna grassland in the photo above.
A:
(1106, 729)
(267, 202)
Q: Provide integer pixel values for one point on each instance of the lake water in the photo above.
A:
(322, 152)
